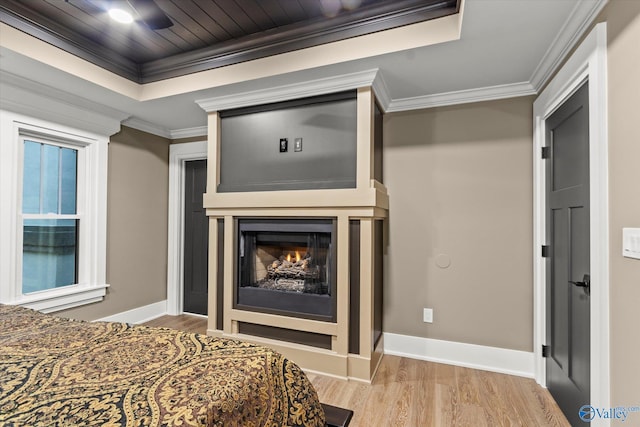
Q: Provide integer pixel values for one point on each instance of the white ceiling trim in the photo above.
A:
(381, 91)
(579, 21)
(146, 126)
(151, 128)
(189, 132)
(28, 97)
(292, 91)
(512, 90)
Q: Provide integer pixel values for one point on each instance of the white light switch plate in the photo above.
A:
(427, 315)
(631, 242)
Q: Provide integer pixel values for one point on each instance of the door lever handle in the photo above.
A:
(580, 284)
(585, 284)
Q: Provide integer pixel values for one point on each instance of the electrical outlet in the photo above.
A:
(427, 315)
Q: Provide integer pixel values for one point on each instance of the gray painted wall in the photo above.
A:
(251, 159)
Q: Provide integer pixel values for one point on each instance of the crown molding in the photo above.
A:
(294, 36)
(512, 90)
(152, 128)
(148, 127)
(287, 92)
(579, 21)
(189, 132)
(381, 91)
(25, 96)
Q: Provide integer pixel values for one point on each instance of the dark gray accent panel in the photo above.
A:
(308, 306)
(250, 157)
(289, 335)
(220, 276)
(378, 281)
(196, 242)
(354, 286)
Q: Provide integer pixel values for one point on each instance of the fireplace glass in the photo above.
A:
(286, 266)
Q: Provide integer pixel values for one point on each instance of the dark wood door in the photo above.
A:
(196, 239)
(568, 300)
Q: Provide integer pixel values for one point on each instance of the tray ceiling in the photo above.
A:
(206, 34)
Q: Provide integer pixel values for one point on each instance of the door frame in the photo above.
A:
(588, 62)
(179, 154)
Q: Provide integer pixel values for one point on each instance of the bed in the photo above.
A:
(56, 372)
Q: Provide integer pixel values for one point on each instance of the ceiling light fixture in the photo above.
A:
(121, 16)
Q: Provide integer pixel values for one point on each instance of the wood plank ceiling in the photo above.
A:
(206, 34)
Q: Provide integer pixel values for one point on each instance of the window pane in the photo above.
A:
(50, 178)
(69, 172)
(31, 179)
(50, 254)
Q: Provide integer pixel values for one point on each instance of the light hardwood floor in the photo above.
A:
(414, 393)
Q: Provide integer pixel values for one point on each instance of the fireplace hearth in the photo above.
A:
(286, 266)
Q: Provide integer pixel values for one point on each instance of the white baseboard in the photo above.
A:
(139, 315)
(504, 361)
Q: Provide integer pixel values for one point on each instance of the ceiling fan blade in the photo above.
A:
(151, 14)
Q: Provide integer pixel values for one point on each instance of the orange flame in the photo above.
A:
(289, 257)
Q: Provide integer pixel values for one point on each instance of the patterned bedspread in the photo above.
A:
(60, 372)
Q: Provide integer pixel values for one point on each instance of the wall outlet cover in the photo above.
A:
(427, 315)
(631, 243)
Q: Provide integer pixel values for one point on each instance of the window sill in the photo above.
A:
(62, 299)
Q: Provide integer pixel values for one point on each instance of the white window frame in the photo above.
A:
(91, 209)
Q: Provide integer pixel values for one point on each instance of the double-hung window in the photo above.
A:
(53, 214)
(50, 220)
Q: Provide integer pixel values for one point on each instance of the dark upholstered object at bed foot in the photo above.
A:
(336, 417)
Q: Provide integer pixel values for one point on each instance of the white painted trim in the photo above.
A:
(579, 20)
(494, 359)
(134, 122)
(91, 208)
(189, 132)
(462, 97)
(145, 126)
(64, 298)
(178, 155)
(138, 315)
(34, 99)
(292, 91)
(588, 62)
(381, 91)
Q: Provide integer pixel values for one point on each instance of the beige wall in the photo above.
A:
(460, 184)
(623, 33)
(137, 200)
